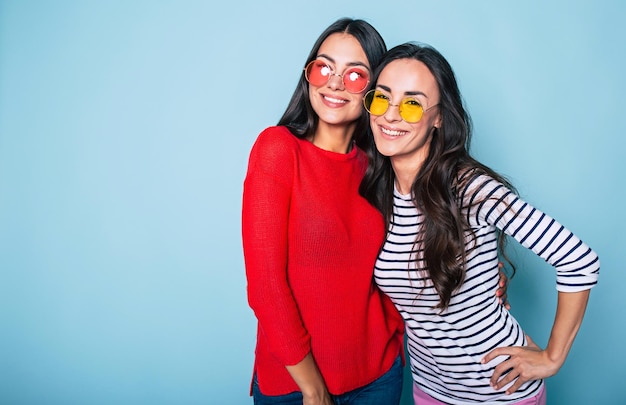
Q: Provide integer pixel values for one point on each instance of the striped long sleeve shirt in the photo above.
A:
(446, 347)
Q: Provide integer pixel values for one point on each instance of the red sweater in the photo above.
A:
(310, 243)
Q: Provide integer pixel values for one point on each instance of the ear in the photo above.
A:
(437, 123)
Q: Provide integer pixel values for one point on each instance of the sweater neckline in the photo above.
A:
(333, 155)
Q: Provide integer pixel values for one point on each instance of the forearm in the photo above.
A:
(309, 379)
(569, 316)
(265, 223)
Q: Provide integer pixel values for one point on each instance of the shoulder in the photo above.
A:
(474, 183)
(471, 178)
(275, 152)
(275, 137)
(274, 143)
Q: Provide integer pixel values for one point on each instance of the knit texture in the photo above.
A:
(310, 243)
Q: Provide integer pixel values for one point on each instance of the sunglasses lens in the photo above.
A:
(355, 80)
(411, 110)
(376, 102)
(317, 73)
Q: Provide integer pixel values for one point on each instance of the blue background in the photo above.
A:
(125, 128)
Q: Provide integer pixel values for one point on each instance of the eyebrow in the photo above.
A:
(406, 93)
(323, 55)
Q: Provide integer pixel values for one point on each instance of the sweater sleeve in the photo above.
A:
(265, 212)
(493, 204)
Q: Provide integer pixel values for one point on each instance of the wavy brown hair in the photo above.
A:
(299, 116)
(438, 187)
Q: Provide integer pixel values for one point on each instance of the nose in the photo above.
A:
(393, 113)
(335, 81)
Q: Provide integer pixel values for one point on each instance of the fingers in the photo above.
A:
(503, 380)
(502, 368)
(497, 373)
(512, 376)
(503, 278)
(524, 363)
(504, 374)
(518, 383)
(499, 351)
(503, 282)
(503, 298)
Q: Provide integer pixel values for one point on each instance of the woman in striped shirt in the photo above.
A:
(447, 215)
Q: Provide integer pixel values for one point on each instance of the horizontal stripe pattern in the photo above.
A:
(446, 346)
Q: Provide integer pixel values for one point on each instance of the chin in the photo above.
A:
(384, 151)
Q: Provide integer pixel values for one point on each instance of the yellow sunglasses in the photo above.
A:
(377, 103)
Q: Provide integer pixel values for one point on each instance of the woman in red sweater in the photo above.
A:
(310, 240)
(326, 333)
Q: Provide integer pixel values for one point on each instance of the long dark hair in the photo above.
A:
(299, 116)
(441, 181)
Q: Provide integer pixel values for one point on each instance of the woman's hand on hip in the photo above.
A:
(525, 363)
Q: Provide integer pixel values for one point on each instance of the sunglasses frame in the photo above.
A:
(374, 91)
(358, 69)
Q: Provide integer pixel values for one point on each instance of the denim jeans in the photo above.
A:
(387, 389)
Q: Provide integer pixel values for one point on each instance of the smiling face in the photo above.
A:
(333, 104)
(407, 144)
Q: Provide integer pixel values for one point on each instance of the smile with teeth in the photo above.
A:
(391, 132)
(335, 100)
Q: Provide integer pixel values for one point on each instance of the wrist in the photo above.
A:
(318, 396)
(555, 358)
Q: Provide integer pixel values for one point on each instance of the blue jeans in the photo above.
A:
(387, 390)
